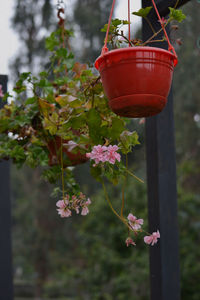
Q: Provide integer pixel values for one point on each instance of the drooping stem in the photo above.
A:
(133, 175)
(123, 188)
(112, 208)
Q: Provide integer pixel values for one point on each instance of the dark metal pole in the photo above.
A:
(162, 195)
(6, 284)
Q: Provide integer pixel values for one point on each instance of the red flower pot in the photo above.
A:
(73, 159)
(136, 80)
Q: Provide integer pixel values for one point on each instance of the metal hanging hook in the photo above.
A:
(61, 10)
(60, 4)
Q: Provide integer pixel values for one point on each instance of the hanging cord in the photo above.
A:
(170, 47)
(61, 24)
(129, 24)
(105, 49)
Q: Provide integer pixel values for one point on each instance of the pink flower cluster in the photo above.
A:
(68, 204)
(152, 239)
(103, 153)
(134, 223)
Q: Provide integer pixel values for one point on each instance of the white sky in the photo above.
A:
(8, 38)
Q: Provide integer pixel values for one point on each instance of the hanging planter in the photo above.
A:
(136, 79)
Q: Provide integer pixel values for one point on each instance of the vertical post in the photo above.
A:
(6, 285)
(162, 194)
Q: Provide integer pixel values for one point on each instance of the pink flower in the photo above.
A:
(70, 203)
(103, 153)
(77, 209)
(70, 145)
(88, 202)
(84, 211)
(135, 223)
(129, 241)
(61, 204)
(1, 91)
(64, 212)
(82, 196)
(97, 154)
(112, 155)
(152, 239)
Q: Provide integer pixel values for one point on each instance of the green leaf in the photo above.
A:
(25, 75)
(128, 140)
(117, 128)
(21, 120)
(78, 122)
(94, 119)
(43, 74)
(176, 14)
(18, 153)
(48, 125)
(51, 42)
(61, 52)
(142, 12)
(6, 96)
(31, 100)
(94, 124)
(116, 22)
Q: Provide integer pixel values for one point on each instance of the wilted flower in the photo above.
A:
(129, 242)
(134, 223)
(152, 239)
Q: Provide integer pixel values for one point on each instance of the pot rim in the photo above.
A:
(133, 49)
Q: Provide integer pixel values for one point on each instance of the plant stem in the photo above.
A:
(123, 188)
(129, 42)
(112, 208)
(155, 34)
(150, 24)
(156, 41)
(175, 6)
(130, 173)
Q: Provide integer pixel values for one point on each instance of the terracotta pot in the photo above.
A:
(73, 159)
(136, 80)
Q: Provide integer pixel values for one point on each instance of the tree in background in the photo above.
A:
(91, 15)
(32, 20)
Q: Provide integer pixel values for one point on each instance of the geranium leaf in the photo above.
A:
(142, 12)
(176, 14)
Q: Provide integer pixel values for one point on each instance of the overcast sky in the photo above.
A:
(8, 38)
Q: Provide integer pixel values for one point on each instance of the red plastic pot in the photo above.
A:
(73, 159)
(136, 80)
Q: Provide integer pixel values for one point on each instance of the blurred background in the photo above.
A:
(86, 257)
